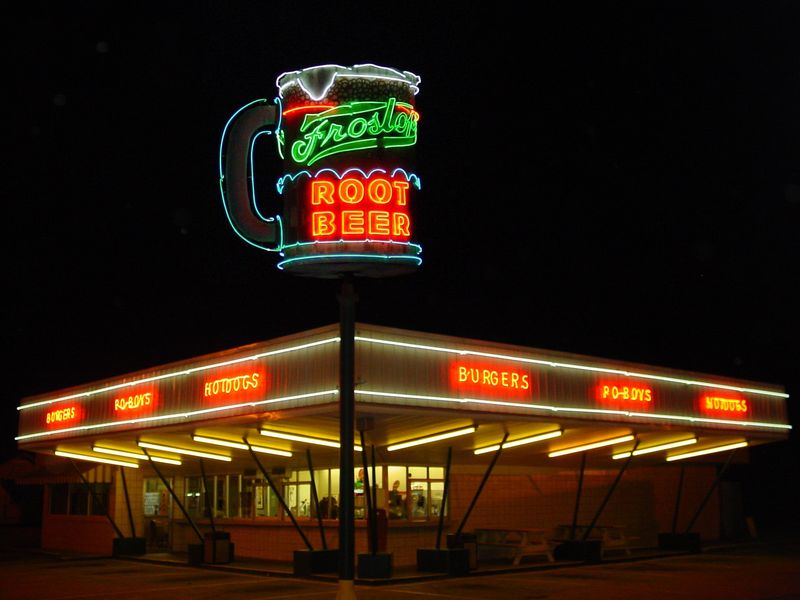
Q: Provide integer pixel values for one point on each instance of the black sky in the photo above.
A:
(620, 179)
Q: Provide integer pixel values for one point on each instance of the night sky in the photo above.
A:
(618, 179)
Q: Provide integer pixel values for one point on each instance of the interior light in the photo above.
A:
(97, 459)
(706, 451)
(650, 449)
(136, 455)
(184, 451)
(431, 438)
(304, 438)
(583, 448)
(240, 445)
(520, 442)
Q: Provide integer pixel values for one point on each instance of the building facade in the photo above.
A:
(246, 441)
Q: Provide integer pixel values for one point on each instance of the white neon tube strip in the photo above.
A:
(520, 442)
(548, 363)
(585, 447)
(658, 448)
(621, 413)
(303, 438)
(97, 459)
(706, 451)
(184, 451)
(178, 415)
(115, 452)
(431, 438)
(240, 446)
(249, 357)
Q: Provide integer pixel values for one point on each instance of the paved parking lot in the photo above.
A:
(753, 572)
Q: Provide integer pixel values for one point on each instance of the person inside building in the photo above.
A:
(396, 502)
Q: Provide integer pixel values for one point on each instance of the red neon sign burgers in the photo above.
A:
(63, 416)
(500, 381)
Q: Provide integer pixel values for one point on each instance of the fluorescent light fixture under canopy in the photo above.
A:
(432, 438)
(592, 446)
(706, 451)
(240, 445)
(186, 451)
(97, 459)
(520, 442)
(296, 437)
(135, 455)
(658, 448)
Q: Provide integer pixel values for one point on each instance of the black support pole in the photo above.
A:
(127, 501)
(444, 498)
(207, 498)
(315, 500)
(610, 491)
(278, 494)
(578, 497)
(174, 496)
(710, 491)
(347, 329)
(678, 501)
(480, 489)
(368, 493)
(96, 498)
(374, 502)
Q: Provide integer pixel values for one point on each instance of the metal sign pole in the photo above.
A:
(347, 331)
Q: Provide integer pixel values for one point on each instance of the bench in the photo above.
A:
(515, 543)
(612, 537)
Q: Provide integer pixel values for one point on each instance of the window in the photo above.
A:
(327, 483)
(410, 492)
(98, 501)
(156, 498)
(76, 499)
(297, 493)
(59, 498)
(234, 492)
(417, 492)
(194, 497)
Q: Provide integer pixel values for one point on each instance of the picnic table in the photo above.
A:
(514, 543)
(612, 537)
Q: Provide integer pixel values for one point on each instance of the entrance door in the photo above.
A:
(157, 514)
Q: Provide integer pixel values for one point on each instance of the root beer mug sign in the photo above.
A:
(346, 140)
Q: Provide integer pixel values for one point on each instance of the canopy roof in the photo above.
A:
(409, 385)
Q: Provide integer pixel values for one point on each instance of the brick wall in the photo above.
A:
(643, 503)
(90, 534)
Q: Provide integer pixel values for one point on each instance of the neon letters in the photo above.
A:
(61, 417)
(134, 402)
(491, 379)
(616, 392)
(61, 414)
(359, 207)
(722, 405)
(232, 385)
(353, 126)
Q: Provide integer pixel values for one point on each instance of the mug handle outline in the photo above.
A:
(241, 209)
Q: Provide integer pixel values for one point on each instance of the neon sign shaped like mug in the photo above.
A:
(363, 115)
